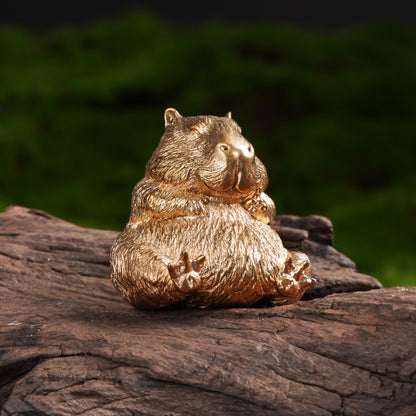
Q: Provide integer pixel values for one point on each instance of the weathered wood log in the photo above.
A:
(70, 345)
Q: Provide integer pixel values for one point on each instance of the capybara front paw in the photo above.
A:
(259, 209)
(185, 273)
(255, 205)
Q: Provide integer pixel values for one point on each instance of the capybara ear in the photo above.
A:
(228, 115)
(171, 116)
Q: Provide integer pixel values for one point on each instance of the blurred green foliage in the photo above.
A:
(332, 115)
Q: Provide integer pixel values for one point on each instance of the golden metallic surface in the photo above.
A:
(197, 234)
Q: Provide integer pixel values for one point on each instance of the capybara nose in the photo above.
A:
(237, 148)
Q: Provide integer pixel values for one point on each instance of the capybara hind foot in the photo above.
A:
(185, 273)
(296, 277)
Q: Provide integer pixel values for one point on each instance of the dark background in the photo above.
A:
(44, 14)
(324, 90)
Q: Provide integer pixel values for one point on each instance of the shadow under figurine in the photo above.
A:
(197, 234)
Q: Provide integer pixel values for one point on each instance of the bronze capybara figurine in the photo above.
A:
(197, 234)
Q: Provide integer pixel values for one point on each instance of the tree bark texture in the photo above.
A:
(70, 345)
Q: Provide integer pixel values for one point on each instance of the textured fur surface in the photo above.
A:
(197, 234)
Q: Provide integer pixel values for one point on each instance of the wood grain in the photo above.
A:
(69, 344)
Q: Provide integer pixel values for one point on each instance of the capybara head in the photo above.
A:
(207, 154)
